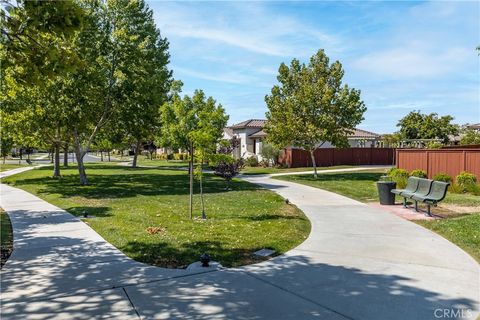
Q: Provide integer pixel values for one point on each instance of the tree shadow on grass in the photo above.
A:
(90, 211)
(165, 255)
(265, 217)
(126, 185)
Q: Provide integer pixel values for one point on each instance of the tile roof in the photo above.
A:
(251, 123)
(228, 131)
(474, 126)
(258, 134)
(359, 133)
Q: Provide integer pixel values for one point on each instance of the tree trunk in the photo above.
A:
(108, 152)
(81, 166)
(190, 169)
(4, 158)
(56, 161)
(314, 163)
(135, 156)
(204, 216)
(101, 156)
(65, 156)
(79, 154)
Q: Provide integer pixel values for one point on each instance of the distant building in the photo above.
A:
(251, 135)
(475, 126)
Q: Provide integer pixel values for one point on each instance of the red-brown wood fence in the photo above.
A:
(450, 161)
(294, 158)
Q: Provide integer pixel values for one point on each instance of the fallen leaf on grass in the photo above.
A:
(155, 230)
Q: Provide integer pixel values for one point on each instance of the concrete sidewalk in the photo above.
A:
(358, 263)
(357, 168)
(8, 173)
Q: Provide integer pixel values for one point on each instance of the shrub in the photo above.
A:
(441, 176)
(467, 181)
(418, 173)
(228, 169)
(455, 188)
(270, 153)
(400, 176)
(398, 173)
(251, 161)
(434, 145)
(474, 189)
(180, 156)
(264, 163)
(389, 171)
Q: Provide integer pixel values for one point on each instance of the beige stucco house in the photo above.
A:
(251, 135)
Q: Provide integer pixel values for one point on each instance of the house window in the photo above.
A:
(254, 146)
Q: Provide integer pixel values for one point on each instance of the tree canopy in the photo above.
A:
(417, 125)
(195, 124)
(311, 105)
(35, 36)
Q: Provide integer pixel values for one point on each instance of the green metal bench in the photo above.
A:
(437, 193)
(411, 187)
(423, 188)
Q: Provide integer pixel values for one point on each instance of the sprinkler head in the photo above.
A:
(205, 259)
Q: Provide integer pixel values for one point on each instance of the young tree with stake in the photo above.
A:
(192, 123)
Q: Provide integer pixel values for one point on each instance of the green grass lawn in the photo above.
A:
(356, 185)
(6, 237)
(10, 166)
(262, 170)
(144, 213)
(464, 231)
(142, 161)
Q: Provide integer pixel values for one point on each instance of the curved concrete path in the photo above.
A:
(358, 263)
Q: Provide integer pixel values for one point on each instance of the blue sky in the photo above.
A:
(402, 55)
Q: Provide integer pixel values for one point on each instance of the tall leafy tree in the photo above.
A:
(470, 136)
(35, 51)
(192, 123)
(146, 78)
(35, 35)
(311, 106)
(124, 75)
(35, 118)
(416, 125)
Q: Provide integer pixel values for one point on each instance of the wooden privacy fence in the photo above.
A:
(450, 161)
(294, 158)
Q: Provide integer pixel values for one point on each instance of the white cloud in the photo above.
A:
(250, 27)
(225, 77)
(232, 38)
(411, 61)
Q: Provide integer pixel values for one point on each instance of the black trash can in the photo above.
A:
(384, 192)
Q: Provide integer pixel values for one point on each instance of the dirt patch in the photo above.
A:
(457, 208)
